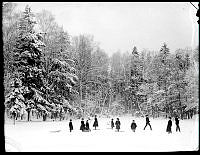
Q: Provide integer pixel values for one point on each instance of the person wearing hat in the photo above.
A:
(177, 124)
(147, 122)
(82, 127)
(169, 126)
(112, 123)
(117, 124)
(87, 128)
(95, 122)
(70, 125)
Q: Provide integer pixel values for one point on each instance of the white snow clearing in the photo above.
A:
(56, 137)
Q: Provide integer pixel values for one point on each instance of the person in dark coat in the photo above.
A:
(133, 126)
(169, 126)
(87, 126)
(117, 124)
(28, 109)
(95, 122)
(82, 125)
(44, 115)
(70, 125)
(147, 122)
(177, 124)
(14, 114)
(112, 123)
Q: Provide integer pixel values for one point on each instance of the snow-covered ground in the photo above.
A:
(55, 136)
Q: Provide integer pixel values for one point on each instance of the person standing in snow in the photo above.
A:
(147, 122)
(95, 122)
(177, 124)
(87, 126)
(70, 125)
(82, 127)
(13, 115)
(117, 124)
(169, 126)
(112, 123)
(44, 115)
(133, 126)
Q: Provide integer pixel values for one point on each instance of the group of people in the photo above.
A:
(169, 125)
(117, 124)
(133, 124)
(85, 126)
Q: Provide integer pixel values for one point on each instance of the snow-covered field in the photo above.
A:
(55, 136)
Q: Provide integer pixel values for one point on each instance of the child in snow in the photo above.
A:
(133, 126)
(87, 128)
(70, 125)
(117, 124)
(147, 122)
(82, 125)
(169, 126)
(112, 123)
(177, 124)
(95, 122)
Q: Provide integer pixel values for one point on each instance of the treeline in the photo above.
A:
(51, 73)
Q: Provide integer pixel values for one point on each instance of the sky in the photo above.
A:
(121, 26)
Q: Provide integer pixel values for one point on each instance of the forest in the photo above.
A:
(51, 74)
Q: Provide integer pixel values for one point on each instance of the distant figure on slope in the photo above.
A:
(133, 126)
(117, 124)
(44, 115)
(169, 126)
(112, 123)
(87, 128)
(70, 125)
(177, 124)
(82, 125)
(14, 115)
(147, 122)
(95, 122)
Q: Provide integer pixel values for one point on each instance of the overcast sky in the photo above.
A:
(120, 26)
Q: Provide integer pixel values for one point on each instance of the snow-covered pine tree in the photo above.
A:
(178, 83)
(14, 100)
(136, 79)
(164, 53)
(164, 67)
(62, 75)
(28, 64)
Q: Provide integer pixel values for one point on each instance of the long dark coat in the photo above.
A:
(70, 126)
(87, 126)
(95, 122)
(82, 127)
(133, 126)
(117, 124)
(112, 124)
(169, 126)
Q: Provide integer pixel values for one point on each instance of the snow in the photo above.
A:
(55, 136)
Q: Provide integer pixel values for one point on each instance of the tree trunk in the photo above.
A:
(140, 110)
(28, 115)
(81, 91)
(14, 117)
(104, 100)
(180, 106)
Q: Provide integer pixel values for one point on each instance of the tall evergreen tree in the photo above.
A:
(136, 80)
(9, 35)
(29, 65)
(177, 87)
(61, 78)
